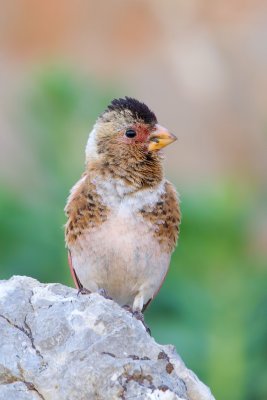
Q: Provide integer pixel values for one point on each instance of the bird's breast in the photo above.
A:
(121, 255)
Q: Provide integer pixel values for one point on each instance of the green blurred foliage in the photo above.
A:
(213, 304)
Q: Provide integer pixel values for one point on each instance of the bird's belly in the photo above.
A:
(123, 257)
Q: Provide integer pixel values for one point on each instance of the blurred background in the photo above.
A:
(202, 67)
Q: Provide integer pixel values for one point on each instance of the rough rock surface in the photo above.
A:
(57, 345)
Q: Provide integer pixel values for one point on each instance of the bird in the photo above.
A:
(123, 215)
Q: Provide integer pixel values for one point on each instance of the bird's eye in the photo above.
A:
(130, 133)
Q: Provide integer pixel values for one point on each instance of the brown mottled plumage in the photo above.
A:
(84, 210)
(165, 216)
(123, 216)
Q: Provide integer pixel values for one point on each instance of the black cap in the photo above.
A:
(139, 110)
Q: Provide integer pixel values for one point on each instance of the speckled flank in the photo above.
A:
(165, 216)
(84, 210)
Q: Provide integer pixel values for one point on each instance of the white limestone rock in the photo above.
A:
(55, 345)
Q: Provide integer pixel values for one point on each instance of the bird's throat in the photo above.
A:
(136, 174)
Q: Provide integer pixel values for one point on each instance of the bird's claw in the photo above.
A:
(83, 291)
(104, 294)
(138, 315)
(101, 291)
(128, 308)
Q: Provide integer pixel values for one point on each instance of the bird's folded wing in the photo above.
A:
(85, 211)
(165, 217)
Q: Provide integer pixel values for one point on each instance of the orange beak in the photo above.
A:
(160, 138)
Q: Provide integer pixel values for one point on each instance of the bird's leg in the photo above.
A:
(135, 310)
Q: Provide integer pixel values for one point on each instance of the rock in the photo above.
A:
(60, 346)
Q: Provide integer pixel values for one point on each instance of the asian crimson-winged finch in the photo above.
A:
(123, 215)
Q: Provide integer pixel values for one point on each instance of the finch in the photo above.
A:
(123, 216)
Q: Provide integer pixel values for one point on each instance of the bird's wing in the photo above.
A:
(165, 216)
(85, 211)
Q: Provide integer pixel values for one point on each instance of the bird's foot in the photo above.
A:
(126, 307)
(104, 294)
(83, 290)
(138, 315)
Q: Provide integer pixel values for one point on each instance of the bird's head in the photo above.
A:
(127, 138)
